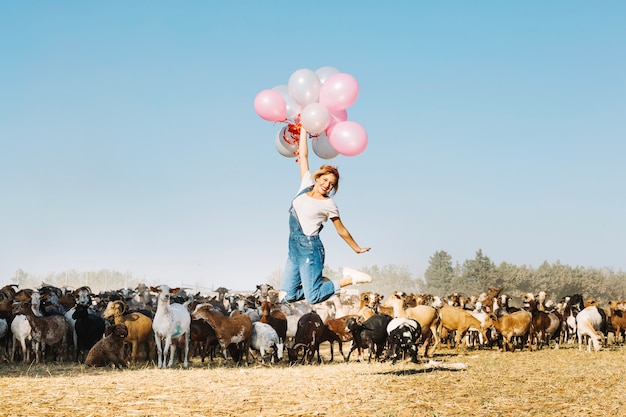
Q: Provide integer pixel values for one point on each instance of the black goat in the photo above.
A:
(89, 329)
(309, 335)
(371, 334)
(404, 334)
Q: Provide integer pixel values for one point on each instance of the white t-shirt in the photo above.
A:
(312, 212)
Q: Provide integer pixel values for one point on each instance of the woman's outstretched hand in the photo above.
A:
(362, 250)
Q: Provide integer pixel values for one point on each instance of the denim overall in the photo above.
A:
(303, 272)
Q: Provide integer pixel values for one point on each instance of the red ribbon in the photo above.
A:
(294, 130)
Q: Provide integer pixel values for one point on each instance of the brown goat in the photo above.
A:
(337, 331)
(139, 328)
(517, 324)
(229, 330)
(460, 321)
(45, 331)
(617, 318)
(110, 349)
(274, 317)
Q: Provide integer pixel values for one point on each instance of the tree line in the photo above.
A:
(443, 277)
(474, 276)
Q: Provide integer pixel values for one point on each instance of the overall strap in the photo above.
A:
(305, 190)
(293, 212)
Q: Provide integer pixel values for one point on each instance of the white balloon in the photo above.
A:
(304, 86)
(282, 146)
(315, 118)
(322, 147)
(293, 109)
(325, 72)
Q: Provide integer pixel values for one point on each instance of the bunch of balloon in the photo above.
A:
(314, 103)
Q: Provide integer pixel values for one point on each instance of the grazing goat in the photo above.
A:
(171, 321)
(404, 334)
(460, 321)
(371, 334)
(337, 331)
(110, 349)
(264, 339)
(516, 324)
(140, 334)
(426, 316)
(89, 329)
(589, 323)
(45, 331)
(229, 330)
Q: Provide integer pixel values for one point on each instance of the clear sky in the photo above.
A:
(129, 140)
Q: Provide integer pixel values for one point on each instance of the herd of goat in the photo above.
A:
(163, 325)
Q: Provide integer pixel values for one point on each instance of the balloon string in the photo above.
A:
(294, 130)
(293, 138)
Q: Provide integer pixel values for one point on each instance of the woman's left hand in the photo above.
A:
(362, 250)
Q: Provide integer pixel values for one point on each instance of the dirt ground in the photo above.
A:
(554, 382)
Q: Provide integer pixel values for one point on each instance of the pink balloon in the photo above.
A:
(336, 116)
(339, 115)
(293, 108)
(270, 105)
(348, 138)
(339, 92)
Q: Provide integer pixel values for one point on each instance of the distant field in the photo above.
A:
(563, 382)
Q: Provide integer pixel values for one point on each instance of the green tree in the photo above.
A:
(516, 280)
(478, 274)
(439, 275)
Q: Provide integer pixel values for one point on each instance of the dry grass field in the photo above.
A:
(550, 382)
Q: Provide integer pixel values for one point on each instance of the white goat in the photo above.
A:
(243, 309)
(589, 322)
(170, 322)
(20, 329)
(264, 339)
(474, 336)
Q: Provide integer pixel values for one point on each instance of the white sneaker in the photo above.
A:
(358, 277)
(281, 296)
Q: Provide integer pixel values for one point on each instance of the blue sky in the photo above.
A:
(129, 140)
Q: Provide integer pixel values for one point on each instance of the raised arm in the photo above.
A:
(345, 235)
(303, 153)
